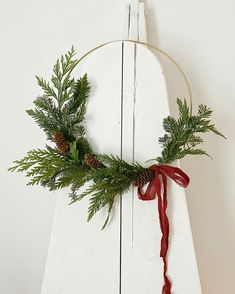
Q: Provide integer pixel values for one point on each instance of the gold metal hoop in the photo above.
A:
(150, 47)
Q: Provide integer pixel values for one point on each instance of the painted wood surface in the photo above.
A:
(141, 264)
(128, 102)
(81, 258)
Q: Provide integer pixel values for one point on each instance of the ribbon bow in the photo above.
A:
(161, 172)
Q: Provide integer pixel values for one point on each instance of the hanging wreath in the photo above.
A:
(71, 161)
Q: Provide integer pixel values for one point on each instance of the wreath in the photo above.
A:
(70, 160)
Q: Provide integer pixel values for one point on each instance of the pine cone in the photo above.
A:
(143, 178)
(61, 143)
(92, 161)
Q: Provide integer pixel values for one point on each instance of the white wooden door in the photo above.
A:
(125, 112)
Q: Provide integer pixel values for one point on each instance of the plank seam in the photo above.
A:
(133, 139)
(129, 22)
(121, 155)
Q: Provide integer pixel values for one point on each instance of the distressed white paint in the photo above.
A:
(126, 108)
(142, 28)
(141, 264)
(145, 103)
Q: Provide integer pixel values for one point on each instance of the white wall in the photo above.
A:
(200, 35)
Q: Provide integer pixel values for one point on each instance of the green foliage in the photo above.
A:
(41, 165)
(74, 153)
(107, 183)
(62, 108)
(181, 136)
(48, 168)
(73, 112)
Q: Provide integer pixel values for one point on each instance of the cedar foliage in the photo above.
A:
(62, 106)
(107, 183)
(182, 136)
(61, 110)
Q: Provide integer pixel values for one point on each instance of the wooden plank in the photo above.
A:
(145, 102)
(140, 256)
(127, 154)
(142, 29)
(81, 258)
(134, 15)
(129, 96)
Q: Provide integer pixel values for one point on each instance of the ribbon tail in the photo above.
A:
(159, 186)
(164, 224)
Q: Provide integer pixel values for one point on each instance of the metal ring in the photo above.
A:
(148, 46)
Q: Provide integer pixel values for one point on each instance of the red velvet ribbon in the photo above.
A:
(158, 186)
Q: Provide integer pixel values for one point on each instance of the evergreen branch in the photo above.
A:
(48, 90)
(42, 165)
(108, 183)
(45, 103)
(61, 80)
(79, 98)
(61, 109)
(48, 123)
(62, 106)
(73, 176)
(191, 151)
(181, 136)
